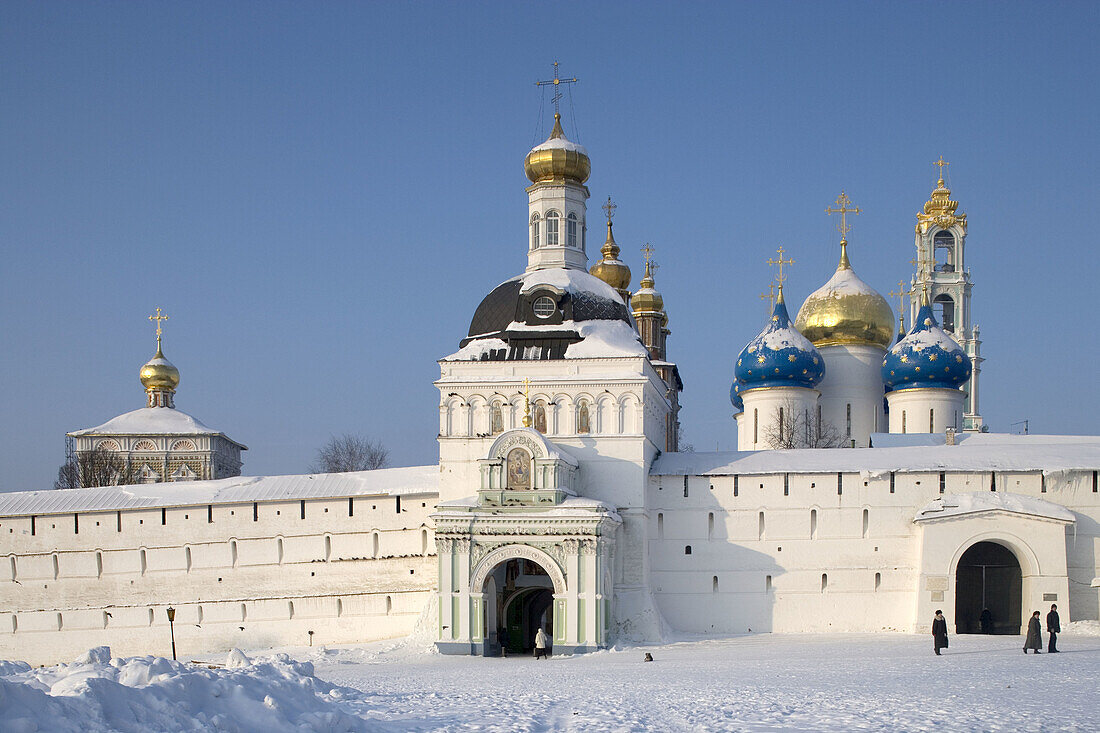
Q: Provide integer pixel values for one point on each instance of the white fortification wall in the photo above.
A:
(350, 568)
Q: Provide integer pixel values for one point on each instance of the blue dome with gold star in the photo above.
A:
(928, 357)
(779, 357)
(735, 397)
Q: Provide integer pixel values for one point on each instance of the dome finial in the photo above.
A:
(158, 375)
(611, 269)
(845, 263)
(779, 298)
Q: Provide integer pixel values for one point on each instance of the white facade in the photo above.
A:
(925, 410)
(851, 392)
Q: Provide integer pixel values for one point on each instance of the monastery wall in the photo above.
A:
(256, 574)
(822, 552)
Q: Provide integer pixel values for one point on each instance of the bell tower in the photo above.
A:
(941, 271)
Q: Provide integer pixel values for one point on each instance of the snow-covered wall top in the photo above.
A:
(911, 440)
(236, 490)
(953, 505)
(1046, 457)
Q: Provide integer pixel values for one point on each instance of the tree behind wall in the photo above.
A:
(790, 427)
(96, 467)
(349, 452)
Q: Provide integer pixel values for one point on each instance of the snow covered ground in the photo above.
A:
(765, 682)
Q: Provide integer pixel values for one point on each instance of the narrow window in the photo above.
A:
(710, 525)
(932, 420)
(164, 516)
(848, 418)
(687, 549)
(714, 584)
(824, 581)
(397, 504)
(57, 567)
(302, 508)
(767, 584)
(755, 426)
(244, 612)
(1042, 483)
(106, 616)
(290, 609)
(839, 483)
(187, 558)
(866, 522)
(1093, 488)
(389, 603)
(660, 526)
(328, 547)
(76, 524)
(232, 554)
(143, 560)
(535, 231)
(423, 542)
(760, 527)
(99, 564)
(339, 607)
(12, 561)
(552, 229)
(118, 521)
(255, 511)
(878, 580)
(735, 477)
(943, 481)
(992, 481)
(786, 484)
(819, 422)
(351, 506)
(891, 482)
(685, 486)
(571, 230)
(374, 544)
(903, 421)
(813, 524)
(782, 425)
(279, 550)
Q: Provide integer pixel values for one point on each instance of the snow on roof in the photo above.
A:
(236, 490)
(604, 339)
(899, 440)
(559, 143)
(152, 421)
(953, 505)
(844, 281)
(1048, 457)
(569, 279)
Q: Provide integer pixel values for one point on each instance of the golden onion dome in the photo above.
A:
(611, 269)
(557, 159)
(159, 373)
(647, 301)
(846, 311)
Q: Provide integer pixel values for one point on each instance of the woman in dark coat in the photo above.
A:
(939, 632)
(1034, 634)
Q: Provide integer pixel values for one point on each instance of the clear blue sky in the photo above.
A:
(319, 194)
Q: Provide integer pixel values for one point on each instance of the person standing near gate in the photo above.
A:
(1054, 627)
(939, 632)
(541, 640)
(1034, 638)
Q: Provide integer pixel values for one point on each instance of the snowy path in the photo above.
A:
(752, 683)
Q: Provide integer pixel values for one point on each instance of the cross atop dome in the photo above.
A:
(556, 82)
(843, 208)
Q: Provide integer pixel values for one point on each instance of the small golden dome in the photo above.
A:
(159, 373)
(611, 269)
(846, 311)
(557, 159)
(647, 300)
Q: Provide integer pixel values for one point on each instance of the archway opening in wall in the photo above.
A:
(519, 600)
(988, 590)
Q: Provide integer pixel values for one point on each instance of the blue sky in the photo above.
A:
(319, 194)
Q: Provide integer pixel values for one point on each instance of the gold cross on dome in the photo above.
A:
(556, 81)
(770, 297)
(843, 208)
(942, 164)
(773, 262)
(609, 209)
(526, 402)
(158, 318)
(647, 252)
(901, 292)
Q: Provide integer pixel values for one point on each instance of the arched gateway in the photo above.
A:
(528, 553)
(988, 590)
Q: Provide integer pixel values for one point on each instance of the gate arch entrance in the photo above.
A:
(519, 600)
(988, 590)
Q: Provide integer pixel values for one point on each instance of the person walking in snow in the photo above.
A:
(541, 639)
(1054, 627)
(939, 632)
(1034, 634)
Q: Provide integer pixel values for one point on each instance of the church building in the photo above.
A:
(865, 492)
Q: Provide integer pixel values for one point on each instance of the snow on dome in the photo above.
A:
(151, 420)
(557, 159)
(605, 339)
(954, 505)
(569, 280)
(846, 311)
(927, 358)
(779, 356)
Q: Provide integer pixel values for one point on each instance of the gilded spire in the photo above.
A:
(779, 298)
(845, 263)
(158, 375)
(526, 402)
(611, 269)
(940, 211)
(843, 208)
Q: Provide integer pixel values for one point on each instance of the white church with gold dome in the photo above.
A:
(865, 492)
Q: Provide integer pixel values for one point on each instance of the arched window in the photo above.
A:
(552, 229)
(571, 230)
(943, 246)
(540, 417)
(584, 419)
(519, 469)
(496, 419)
(943, 308)
(535, 231)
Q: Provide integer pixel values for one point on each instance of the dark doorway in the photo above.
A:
(988, 591)
(519, 599)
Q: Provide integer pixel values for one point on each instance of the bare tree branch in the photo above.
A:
(95, 467)
(349, 452)
(791, 427)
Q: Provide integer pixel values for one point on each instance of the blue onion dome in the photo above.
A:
(928, 357)
(735, 397)
(780, 356)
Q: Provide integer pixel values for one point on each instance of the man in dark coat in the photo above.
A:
(939, 632)
(1034, 634)
(1054, 627)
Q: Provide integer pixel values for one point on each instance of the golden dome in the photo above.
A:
(557, 159)
(846, 311)
(611, 269)
(159, 373)
(647, 300)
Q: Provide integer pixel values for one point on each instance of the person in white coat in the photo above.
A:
(542, 639)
